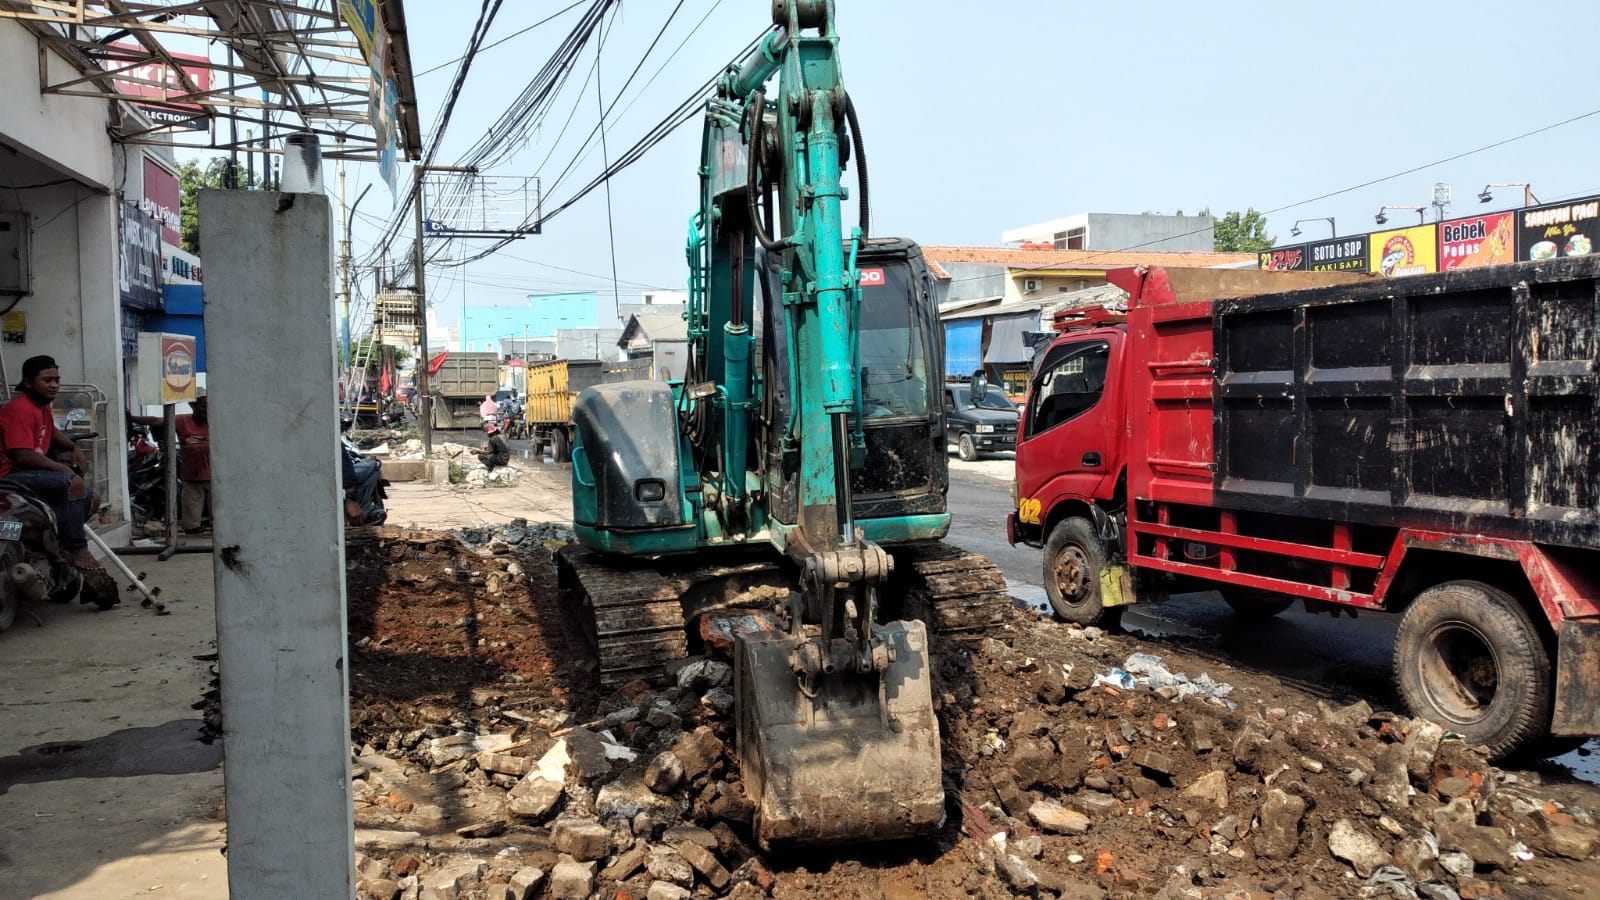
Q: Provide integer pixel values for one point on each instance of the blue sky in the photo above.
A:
(982, 117)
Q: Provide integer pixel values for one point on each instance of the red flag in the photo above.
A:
(383, 383)
(437, 363)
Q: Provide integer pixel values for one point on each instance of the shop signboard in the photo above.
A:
(1476, 241)
(156, 80)
(1345, 254)
(1400, 252)
(173, 379)
(1284, 259)
(140, 271)
(162, 201)
(1558, 229)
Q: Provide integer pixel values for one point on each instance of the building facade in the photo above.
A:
(1118, 231)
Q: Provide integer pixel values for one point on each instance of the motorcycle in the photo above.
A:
(363, 476)
(33, 564)
(147, 477)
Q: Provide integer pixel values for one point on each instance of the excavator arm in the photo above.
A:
(838, 709)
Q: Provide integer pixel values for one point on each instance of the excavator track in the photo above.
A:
(951, 589)
(635, 615)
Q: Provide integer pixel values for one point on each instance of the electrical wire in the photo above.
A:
(515, 34)
(600, 105)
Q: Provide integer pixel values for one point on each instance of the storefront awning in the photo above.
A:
(1008, 339)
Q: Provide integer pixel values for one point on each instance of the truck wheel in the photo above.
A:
(1253, 604)
(966, 449)
(1073, 559)
(1468, 656)
(560, 446)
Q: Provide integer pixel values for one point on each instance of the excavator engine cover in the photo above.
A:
(857, 761)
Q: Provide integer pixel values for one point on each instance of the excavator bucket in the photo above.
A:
(857, 761)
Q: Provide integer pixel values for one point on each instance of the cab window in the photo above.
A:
(1068, 385)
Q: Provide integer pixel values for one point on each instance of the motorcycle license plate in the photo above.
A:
(10, 530)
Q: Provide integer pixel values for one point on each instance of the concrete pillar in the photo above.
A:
(100, 307)
(280, 543)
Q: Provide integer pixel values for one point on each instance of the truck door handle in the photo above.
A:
(1091, 459)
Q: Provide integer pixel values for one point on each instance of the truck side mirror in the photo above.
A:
(980, 387)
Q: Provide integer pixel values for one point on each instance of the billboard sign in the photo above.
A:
(1558, 229)
(364, 21)
(1477, 241)
(157, 81)
(1346, 254)
(171, 379)
(1400, 252)
(162, 201)
(140, 275)
(1284, 259)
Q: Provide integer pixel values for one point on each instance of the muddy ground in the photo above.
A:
(1198, 780)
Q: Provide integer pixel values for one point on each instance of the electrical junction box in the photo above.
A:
(16, 277)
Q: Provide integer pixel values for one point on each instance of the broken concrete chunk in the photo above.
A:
(628, 796)
(582, 839)
(1057, 819)
(1211, 788)
(524, 884)
(694, 834)
(534, 797)
(587, 756)
(626, 863)
(1356, 847)
(1350, 716)
(1153, 761)
(665, 773)
(1570, 841)
(504, 763)
(667, 864)
(701, 675)
(666, 890)
(1279, 835)
(1422, 742)
(698, 751)
(1097, 804)
(704, 862)
(572, 879)
(1016, 872)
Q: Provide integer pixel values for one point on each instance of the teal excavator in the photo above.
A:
(798, 470)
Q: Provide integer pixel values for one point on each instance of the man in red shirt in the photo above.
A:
(27, 435)
(194, 461)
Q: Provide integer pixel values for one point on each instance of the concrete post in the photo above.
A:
(281, 642)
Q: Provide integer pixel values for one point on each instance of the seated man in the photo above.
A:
(494, 452)
(27, 435)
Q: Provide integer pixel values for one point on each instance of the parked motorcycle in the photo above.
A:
(147, 477)
(33, 564)
(364, 476)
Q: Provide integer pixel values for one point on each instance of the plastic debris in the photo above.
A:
(1151, 671)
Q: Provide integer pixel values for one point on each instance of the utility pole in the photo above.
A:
(418, 260)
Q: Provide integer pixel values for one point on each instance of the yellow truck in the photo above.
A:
(553, 385)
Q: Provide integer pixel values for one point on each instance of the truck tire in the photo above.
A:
(1468, 656)
(966, 448)
(1073, 559)
(560, 446)
(1254, 604)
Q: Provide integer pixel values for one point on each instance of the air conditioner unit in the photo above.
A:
(1030, 285)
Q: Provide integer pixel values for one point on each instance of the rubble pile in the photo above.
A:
(1076, 766)
(1179, 791)
(518, 535)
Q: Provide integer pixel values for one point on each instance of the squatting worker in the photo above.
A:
(194, 460)
(495, 452)
(28, 434)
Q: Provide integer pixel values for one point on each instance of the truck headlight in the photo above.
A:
(985, 429)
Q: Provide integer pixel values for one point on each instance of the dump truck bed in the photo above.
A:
(1465, 401)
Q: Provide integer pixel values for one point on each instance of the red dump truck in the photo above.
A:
(1425, 446)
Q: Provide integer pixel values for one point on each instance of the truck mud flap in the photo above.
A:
(858, 761)
(1577, 709)
(1116, 585)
